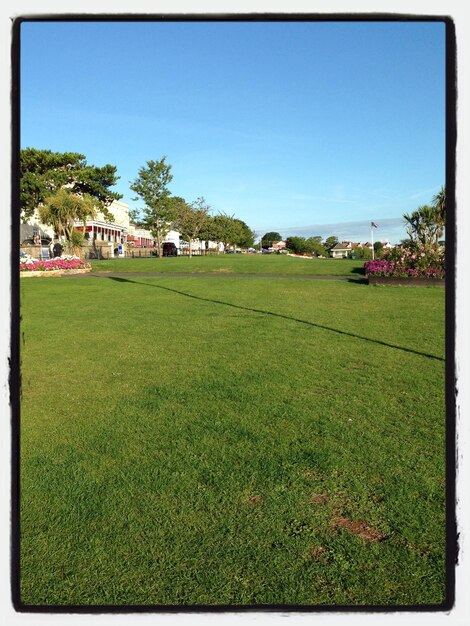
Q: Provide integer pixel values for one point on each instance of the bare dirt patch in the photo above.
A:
(319, 498)
(359, 529)
(316, 552)
(254, 499)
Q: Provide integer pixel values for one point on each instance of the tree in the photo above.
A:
(406, 243)
(330, 242)
(424, 225)
(439, 205)
(362, 253)
(209, 232)
(61, 209)
(43, 172)
(301, 245)
(136, 218)
(151, 186)
(315, 246)
(268, 239)
(378, 249)
(296, 244)
(222, 228)
(315, 239)
(190, 219)
(245, 236)
(228, 230)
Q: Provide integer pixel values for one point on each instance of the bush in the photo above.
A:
(411, 260)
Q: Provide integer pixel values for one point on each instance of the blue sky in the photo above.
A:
(295, 127)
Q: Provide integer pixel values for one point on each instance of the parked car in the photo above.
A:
(169, 249)
(30, 241)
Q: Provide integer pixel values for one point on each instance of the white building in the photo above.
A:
(99, 232)
(116, 234)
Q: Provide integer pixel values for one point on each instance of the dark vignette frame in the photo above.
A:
(450, 381)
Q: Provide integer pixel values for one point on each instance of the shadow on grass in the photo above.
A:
(358, 270)
(273, 314)
(358, 281)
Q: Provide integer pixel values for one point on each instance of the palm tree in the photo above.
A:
(62, 209)
(424, 225)
(439, 204)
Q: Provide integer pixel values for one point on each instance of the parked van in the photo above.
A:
(169, 249)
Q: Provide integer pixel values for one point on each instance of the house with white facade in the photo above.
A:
(341, 250)
(109, 235)
(103, 232)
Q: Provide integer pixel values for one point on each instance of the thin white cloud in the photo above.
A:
(425, 192)
(308, 198)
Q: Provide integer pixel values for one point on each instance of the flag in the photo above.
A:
(374, 225)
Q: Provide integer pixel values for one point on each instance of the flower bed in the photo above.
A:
(54, 267)
(409, 262)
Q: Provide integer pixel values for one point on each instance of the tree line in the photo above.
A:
(316, 246)
(302, 245)
(163, 212)
(65, 188)
(424, 226)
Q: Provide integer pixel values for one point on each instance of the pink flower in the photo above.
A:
(422, 254)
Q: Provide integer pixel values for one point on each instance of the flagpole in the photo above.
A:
(372, 239)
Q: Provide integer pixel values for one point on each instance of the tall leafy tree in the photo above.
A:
(315, 246)
(136, 218)
(191, 218)
(210, 231)
(268, 239)
(378, 249)
(225, 229)
(43, 173)
(232, 231)
(296, 244)
(151, 186)
(245, 236)
(330, 242)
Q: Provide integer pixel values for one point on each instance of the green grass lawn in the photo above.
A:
(234, 264)
(203, 441)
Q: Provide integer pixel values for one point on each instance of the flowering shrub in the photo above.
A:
(66, 262)
(414, 261)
